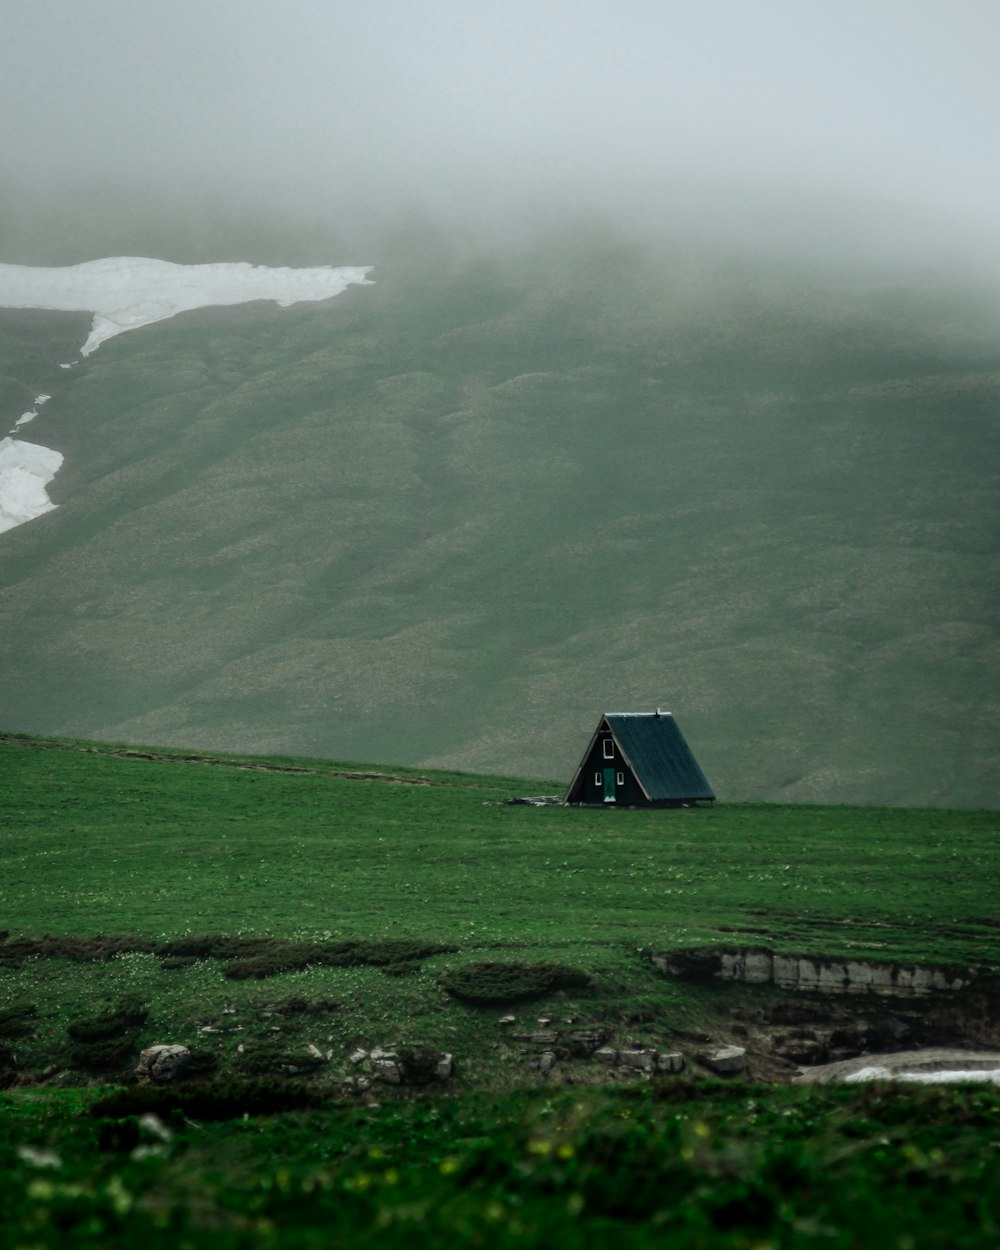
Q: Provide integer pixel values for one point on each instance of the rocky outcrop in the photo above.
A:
(725, 1060)
(408, 1065)
(637, 1058)
(159, 1065)
(815, 973)
(573, 1043)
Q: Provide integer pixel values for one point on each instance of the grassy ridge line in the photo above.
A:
(93, 842)
(278, 764)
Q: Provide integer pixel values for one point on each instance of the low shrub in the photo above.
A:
(18, 1021)
(487, 983)
(381, 953)
(419, 1064)
(245, 957)
(401, 968)
(299, 1006)
(15, 950)
(213, 1100)
(277, 956)
(129, 1013)
(202, 1065)
(8, 1067)
(214, 946)
(259, 967)
(106, 1056)
(272, 1061)
(106, 1043)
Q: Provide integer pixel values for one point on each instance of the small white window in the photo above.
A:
(621, 779)
(609, 749)
(598, 779)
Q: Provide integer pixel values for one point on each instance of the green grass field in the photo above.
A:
(99, 839)
(96, 842)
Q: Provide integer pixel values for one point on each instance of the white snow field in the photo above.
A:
(930, 1065)
(25, 417)
(123, 293)
(946, 1076)
(25, 471)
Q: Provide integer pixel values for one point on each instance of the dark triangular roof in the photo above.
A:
(656, 751)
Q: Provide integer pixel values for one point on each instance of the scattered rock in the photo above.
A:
(818, 974)
(725, 1060)
(583, 1042)
(801, 1048)
(162, 1064)
(642, 1058)
(535, 800)
(385, 1066)
(409, 1065)
(606, 1054)
(669, 1061)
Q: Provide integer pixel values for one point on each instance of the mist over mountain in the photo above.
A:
(677, 385)
(249, 130)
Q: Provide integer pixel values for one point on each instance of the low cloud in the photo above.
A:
(775, 120)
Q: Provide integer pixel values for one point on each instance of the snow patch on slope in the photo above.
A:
(30, 415)
(25, 471)
(123, 293)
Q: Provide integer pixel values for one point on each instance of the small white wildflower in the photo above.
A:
(39, 1158)
(154, 1126)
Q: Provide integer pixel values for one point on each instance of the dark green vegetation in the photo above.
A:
(489, 983)
(680, 1165)
(449, 519)
(189, 865)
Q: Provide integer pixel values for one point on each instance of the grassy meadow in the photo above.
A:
(97, 840)
(154, 845)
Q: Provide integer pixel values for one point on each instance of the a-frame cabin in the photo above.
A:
(638, 759)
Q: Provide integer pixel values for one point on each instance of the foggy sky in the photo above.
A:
(886, 109)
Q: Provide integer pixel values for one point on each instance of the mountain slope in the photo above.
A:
(450, 518)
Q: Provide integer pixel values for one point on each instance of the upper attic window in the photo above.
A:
(609, 749)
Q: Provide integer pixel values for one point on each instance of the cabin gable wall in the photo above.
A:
(596, 785)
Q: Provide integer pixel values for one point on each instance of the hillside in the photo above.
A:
(448, 519)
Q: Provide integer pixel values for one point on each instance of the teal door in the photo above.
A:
(609, 785)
